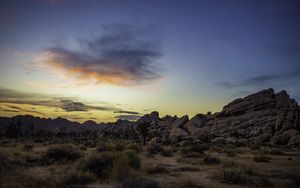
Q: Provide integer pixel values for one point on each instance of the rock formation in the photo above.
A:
(263, 117)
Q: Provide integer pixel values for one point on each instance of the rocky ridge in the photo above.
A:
(263, 117)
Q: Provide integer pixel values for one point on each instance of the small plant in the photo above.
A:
(232, 175)
(157, 169)
(208, 159)
(133, 159)
(62, 153)
(99, 164)
(27, 147)
(119, 147)
(276, 152)
(154, 149)
(134, 147)
(141, 182)
(167, 151)
(261, 158)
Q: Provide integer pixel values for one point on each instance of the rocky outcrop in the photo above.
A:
(262, 117)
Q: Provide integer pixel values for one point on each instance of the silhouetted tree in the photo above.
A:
(143, 129)
(14, 129)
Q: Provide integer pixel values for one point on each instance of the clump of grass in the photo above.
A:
(157, 169)
(63, 153)
(192, 155)
(119, 147)
(134, 147)
(184, 182)
(103, 147)
(276, 152)
(141, 182)
(27, 147)
(261, 158)
(167, 151)
(232, 175)
(210, 160)
(90, 144)
(99, 164)
(115, 165)
(154, 149)
(187, 168)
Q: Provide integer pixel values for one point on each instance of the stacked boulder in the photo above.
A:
(263, 117)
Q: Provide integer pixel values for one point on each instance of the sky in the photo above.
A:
(104, 60)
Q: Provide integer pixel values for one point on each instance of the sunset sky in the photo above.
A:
(105, 59)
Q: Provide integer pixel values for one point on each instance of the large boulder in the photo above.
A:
(285, 137)
(202, 134)
(198, 121)
(179, 123)
(177, 134)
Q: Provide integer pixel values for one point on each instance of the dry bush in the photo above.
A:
(114, 165)
(261, 158)
(156, 169)
(184, 183)
(134, 147)
(27, 147)
(210, 160)
(167, 151)
(63, 153)
(154, 149)
(141, 183)
(187, 168)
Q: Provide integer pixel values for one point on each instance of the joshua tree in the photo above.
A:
(142, 128)
(14, 129)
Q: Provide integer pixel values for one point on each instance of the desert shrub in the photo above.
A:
(119, 147)
(154, 149)
(192, 155)
(133, 159)
(121, 168)
(262, 182)
(261, 158)
(38, 140)
(167, 151)
(105, 147)
(276, 152)
(63, 153)
(157, 169)
(183, 183)
(134, 147)
(208, 159)
(141, 183)
(99, 164)
(89, 144)
(187, 168)
(118, 165)
(232, 175)
(27, 147)
(60, 177)
(195, 148)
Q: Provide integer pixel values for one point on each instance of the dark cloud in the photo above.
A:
(70, 106)
(128, 117)
(121, 55)
(260, 79)
(126, 112)
(18, 97)
(5, 110)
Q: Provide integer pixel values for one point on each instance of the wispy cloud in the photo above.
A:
(18, 97)
(121, 55)
(126, 112)
(128, 117)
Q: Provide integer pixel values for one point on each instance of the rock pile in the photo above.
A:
(263, 117)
